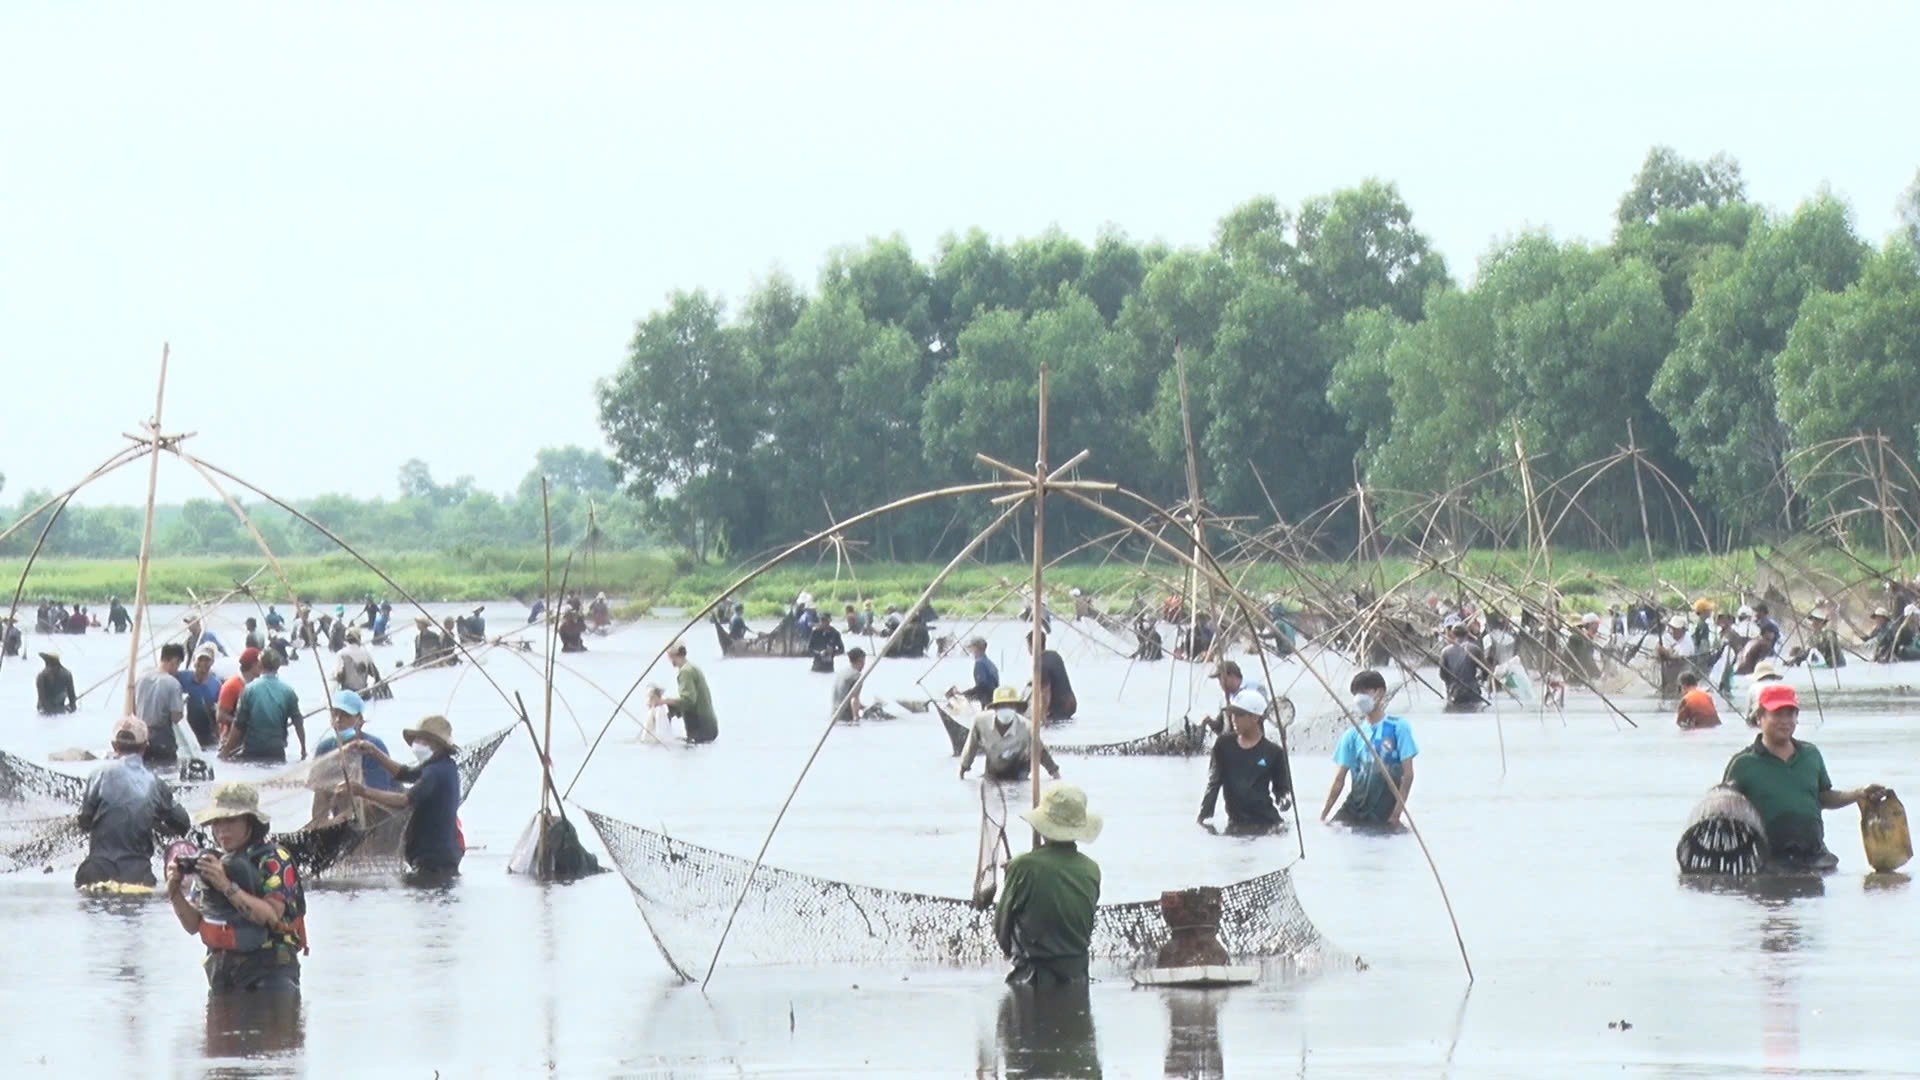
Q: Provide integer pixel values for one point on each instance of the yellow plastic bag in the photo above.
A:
(1883, 832)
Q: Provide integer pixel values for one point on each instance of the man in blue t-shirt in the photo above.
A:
(349, 725)
(986, 677)
(1379, 756)
(433, 844)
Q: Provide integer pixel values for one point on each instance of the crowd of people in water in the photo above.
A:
(228, 879)
(243, 896)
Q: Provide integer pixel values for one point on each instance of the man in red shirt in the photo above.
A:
(230, 690)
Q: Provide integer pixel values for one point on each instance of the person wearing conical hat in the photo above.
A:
(1002, 736)
(1044, 917)
(247, 903)
(432, 844)
(53, 687)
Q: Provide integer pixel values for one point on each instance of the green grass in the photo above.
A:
(641, 580)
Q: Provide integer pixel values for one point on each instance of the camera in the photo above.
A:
(185, 857)
(187, 864)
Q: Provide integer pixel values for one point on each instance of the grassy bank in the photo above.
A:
(643, 580)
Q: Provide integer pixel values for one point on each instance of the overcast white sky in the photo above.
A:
(375, 232)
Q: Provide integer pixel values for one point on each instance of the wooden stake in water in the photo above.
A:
(1036, 641)
(146, 534)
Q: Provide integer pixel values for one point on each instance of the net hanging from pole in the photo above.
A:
(49, 834)
(684, 892)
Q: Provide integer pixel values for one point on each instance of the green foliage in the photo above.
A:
(1852, 361)
(1716, 389)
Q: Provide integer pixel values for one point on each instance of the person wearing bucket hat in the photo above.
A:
(1786, 781)
(248, 904)
(1822, 649)
(1879, 639)
(124, 806)
(986, 677)
(53, 686)
(1002, 735)
(1250, 768)
(1044, 918)
(432, 844)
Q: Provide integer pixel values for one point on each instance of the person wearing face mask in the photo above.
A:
(1378, 755)
(432, 843)
(246, 901)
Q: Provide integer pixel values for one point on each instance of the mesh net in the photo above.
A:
(348, 845)
(684, 893)
(1185, 739)
(1724, 835)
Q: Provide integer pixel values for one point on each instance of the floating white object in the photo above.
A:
(1197, 977)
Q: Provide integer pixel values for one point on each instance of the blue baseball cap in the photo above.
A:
(348, 702)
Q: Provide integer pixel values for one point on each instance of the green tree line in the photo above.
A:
(1326, 345)
(426, 516)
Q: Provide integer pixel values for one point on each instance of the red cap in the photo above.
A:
(249, 657)
(1778, 696)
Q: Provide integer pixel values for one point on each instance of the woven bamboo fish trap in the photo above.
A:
(1724, 835)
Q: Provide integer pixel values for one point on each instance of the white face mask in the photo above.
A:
(422, 752)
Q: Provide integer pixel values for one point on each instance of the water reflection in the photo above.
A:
(1047, 1032)
(1193, 1033)
(244, 1028)
(1769, 890)
(1888, 882)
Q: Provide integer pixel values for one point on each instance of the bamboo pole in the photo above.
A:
(1248, 609)
(546, 746)
(832, 722)
(1037, 639)
(146, 533)
(776, 559)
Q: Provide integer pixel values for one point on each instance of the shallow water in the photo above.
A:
(1560, 868)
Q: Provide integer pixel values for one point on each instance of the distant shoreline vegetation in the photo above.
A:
(640, 581)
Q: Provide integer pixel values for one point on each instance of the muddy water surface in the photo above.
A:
(1559, 865)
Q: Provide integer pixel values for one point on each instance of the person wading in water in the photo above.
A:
(1044, 918)
(1786, 781)
(693, 700)
(1372, 801)
(1250, 768)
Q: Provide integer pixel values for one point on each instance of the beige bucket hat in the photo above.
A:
(436, 731)
(1063, 815)
(232, 799)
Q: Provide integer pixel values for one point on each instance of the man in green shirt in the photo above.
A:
(267, 708)
(1786, 781)
(1045, 915)
(692, 701)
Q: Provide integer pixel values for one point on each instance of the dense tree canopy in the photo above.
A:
(1325, 343)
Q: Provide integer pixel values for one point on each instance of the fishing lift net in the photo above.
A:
(46, 832)
(685, 891)
(1724, 835)
(1186, 738)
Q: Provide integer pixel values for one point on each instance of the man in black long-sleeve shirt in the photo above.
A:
(1251, 769)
